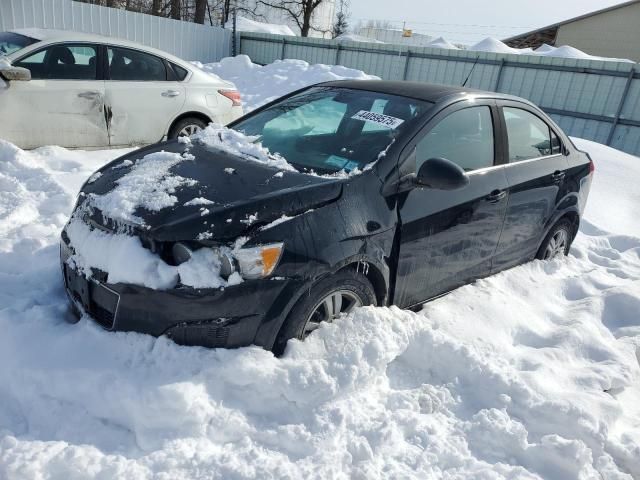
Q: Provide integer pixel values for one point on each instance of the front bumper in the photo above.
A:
(229, 317)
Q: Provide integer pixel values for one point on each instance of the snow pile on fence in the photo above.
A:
(261, 84)
(494, 45)
(244, 24)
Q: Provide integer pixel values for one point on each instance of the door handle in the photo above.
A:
(89, 95)
(557, 176)
(495, 196)
(170, 93)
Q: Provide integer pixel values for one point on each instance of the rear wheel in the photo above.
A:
(186, 127)
(327, 300)
(557, 242)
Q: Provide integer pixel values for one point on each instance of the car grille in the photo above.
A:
(99, 301)
(103, 316)
(201, 334)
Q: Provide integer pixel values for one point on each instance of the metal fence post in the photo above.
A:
(499, 76)
(284, 44)
(623, 99)
(234, 40)
(337, 54)
(406, 65)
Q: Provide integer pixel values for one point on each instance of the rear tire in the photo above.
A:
(557, 242)
(186, 127)
(326, 300)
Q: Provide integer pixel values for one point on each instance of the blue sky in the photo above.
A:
(468, 21)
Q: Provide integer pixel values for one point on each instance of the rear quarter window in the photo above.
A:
(181, 73)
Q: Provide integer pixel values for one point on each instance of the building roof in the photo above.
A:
(571, 20)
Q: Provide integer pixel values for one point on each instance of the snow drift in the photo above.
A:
(244, 24)
(261, 84)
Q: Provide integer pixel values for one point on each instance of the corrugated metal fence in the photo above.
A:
(189, 41)
(591, 99)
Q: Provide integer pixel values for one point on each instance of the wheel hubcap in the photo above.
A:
(189, 130)
(557, 245)
(331, 307)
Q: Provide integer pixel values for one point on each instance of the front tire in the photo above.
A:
(186, 127)
(327, 300)
(557, 242)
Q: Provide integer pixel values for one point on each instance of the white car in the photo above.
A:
(79, 90)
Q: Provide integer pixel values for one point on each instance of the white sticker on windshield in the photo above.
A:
(378, 118)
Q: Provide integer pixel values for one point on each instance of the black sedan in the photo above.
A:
(400, 193)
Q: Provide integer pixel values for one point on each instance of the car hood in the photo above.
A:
(240, 195)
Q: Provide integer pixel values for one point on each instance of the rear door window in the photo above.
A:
(529, 136)
(465, 137)
(62, 62)
(135, 66)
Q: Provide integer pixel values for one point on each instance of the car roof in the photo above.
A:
(53, 35)
(429, 92)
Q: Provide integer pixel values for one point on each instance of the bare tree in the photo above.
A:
(201, 9)
(156, 6)
(300, 11)
(175, 9)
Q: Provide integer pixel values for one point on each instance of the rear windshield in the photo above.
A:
(327, 129)
(12, 42)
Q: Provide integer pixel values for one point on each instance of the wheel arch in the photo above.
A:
(572, 214)
(370, 268)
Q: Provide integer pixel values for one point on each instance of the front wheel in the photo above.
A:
(327, 300)
(557, 242)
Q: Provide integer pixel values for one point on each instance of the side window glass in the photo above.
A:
(131, 65)
(62, 62)
(529, 136)
(556, 144)
(465, 137)
(180, 72)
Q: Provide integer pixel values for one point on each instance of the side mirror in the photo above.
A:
(15, 73)
(441, 174)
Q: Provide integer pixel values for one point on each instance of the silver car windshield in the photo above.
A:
(12, 42)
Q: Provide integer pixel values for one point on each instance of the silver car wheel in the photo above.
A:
(557, 245)
(331, 307)
(189, 130)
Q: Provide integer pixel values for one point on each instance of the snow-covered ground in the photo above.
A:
(532, 373)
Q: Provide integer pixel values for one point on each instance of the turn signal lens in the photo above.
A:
(258, 262)
(270, 257)
(232, 95)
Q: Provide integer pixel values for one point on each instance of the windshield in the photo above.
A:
(12, 42)
(327, 129)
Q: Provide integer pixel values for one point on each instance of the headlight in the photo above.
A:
(252, 263)
(258, 262)
(181, 253)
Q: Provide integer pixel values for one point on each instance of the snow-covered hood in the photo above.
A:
(203, 193)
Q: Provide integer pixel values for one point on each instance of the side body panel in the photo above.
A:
(537, 189)
(448, 238)
(139, 110)
(69, 113)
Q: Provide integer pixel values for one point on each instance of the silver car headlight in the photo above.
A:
(258, 262)
(251, 263)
